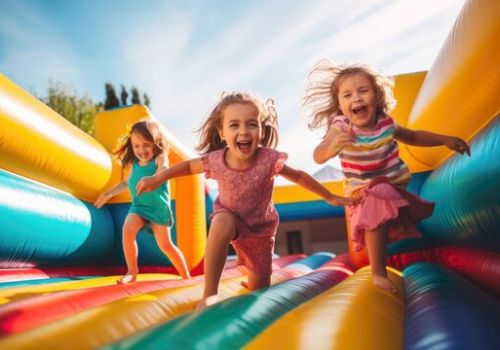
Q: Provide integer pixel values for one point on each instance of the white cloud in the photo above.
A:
(374, 37)
(35, 51)
(184, 56)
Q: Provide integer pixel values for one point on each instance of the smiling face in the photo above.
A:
(242, 131)
(143, 149)
(357, 100)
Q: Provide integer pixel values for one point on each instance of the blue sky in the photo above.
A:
(185, 53)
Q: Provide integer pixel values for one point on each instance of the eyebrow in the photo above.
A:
(360, 87)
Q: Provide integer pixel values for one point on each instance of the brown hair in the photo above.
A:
(150, 131)
(321, 101)
(209, 131)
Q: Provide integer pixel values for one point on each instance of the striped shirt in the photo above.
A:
(374, 153)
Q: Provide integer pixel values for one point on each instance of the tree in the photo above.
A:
(111, 99)
(146, 99)
(124, 95)
(80, 111)
(135, 96)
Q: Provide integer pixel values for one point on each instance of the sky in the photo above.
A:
(184, 54)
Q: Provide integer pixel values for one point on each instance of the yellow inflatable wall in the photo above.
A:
(46, 147)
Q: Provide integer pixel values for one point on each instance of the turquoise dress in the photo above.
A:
(153, 206)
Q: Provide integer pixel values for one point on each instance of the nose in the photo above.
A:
(243, 129)
(357, 96)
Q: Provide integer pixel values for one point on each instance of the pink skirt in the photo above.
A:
(254, 250)
(384, 203)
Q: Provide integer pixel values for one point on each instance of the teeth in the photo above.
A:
(244, 145)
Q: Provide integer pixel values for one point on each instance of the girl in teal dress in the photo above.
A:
(144, 149)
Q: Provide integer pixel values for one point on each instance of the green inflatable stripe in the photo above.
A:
(233, 323)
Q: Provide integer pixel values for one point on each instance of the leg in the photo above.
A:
(376, 242)
(164, 241)
(222, 231)
(257, 281)
(133, 223)
(244, 271)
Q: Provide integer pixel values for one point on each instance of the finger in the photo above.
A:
(467, 149)
(349, 129)
(347, 138)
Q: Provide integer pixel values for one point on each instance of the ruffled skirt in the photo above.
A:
(384, 203)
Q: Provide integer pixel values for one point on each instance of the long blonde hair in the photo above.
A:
(321, 101)
(209, 131)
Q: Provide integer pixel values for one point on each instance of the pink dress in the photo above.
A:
(247, 195)
(373, 170)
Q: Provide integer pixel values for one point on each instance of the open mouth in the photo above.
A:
(359, 109)
(244, 145)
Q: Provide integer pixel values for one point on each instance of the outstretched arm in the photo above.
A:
(308, 182)
(188, 167)
(427, 139)
(107, 195)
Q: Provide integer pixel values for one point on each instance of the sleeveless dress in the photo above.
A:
(247, 195)
(153, 206)
(373, 170)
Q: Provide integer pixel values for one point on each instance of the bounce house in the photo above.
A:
(60, 257)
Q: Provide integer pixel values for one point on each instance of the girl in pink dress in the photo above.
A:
(237, 146)
(352, 102)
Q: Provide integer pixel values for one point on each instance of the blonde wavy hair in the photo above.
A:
(209, 131)
(321, 102)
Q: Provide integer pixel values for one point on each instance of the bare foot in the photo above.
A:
(126, 279)
(384, 283)
(208, 301)
(244, 284)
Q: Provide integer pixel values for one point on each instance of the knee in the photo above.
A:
(129, 234)
(225, 225)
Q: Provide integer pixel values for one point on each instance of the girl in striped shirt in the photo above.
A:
(352, 102)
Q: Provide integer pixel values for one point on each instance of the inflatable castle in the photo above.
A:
(60, 257)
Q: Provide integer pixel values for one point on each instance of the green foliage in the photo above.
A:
(79, 110)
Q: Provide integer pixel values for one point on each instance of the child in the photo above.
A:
(144, 149)
(237, 145)
(353, 103)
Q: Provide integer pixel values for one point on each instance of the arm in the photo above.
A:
(428, 139)
(188, 167)
(161, 163)
(332, 144)
(107, 195)
(308, 182)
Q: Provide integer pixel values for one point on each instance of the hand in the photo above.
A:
(342, 139)
(457, 144)
(343, 201)
(102, 199)
(146, 184)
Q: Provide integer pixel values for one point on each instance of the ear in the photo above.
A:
(221, 135)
